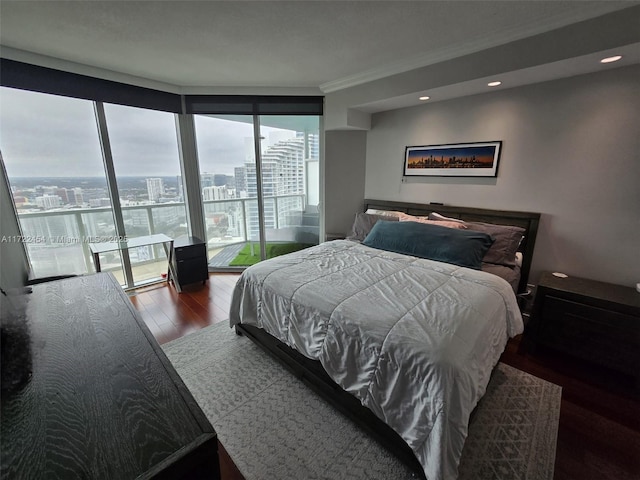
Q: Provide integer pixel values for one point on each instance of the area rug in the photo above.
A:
(274, 427)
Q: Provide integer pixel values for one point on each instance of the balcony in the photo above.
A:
(57, 240)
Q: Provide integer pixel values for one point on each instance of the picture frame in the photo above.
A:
(478, 159)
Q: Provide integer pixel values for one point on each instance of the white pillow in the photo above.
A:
(438, 217)
(440, 223)
(405, 217)
(386, 213)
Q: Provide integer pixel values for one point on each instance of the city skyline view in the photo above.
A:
(60, 214)
(27, 191)
(442, 157)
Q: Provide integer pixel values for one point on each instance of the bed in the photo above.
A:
(402, 344)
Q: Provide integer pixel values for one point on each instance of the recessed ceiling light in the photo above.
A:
(611, 59)
(424, 98)
(494, 84)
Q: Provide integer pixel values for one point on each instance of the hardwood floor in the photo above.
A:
(171, 315)
(599, 430)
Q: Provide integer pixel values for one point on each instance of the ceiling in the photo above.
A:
(303, 47)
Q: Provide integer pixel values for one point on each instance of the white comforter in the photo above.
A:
(414, 340)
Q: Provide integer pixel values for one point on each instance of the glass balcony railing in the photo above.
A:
(236, 220)
(58, 240)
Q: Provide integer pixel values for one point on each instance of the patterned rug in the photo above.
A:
(274, 427)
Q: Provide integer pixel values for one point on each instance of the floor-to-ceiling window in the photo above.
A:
(51, 151)
(144, 149)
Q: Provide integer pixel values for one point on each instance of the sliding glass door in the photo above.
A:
(289, 157)
(225, 148)
(257, 207)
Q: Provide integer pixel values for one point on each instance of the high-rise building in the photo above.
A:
(240, 176)
(312, 147)
(100, 202)
(71, 196)
(47, 201)
(74, 196)
(283, 173)
(215, 193)
(155, 189)
(207, 180)
(62, 193)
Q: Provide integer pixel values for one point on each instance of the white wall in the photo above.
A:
(571, 151)
(344, 172)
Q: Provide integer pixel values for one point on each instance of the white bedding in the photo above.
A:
(414, 340)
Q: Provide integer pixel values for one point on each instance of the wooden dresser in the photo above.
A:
(102, 400)
(594, 321)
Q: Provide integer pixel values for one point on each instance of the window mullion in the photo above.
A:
(112, 185)
(258, 154)
(191, 188)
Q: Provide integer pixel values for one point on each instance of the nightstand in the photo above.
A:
(594, 321)
(189, 261)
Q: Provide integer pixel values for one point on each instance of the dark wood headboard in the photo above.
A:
(527, 220)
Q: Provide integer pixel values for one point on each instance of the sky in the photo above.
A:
(48, 136)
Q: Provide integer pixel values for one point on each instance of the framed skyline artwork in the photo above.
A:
(479, 159)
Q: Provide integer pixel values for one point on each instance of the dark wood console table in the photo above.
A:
(102, 400)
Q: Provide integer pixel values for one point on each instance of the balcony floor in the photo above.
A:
(153, 271)
(220, 258)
